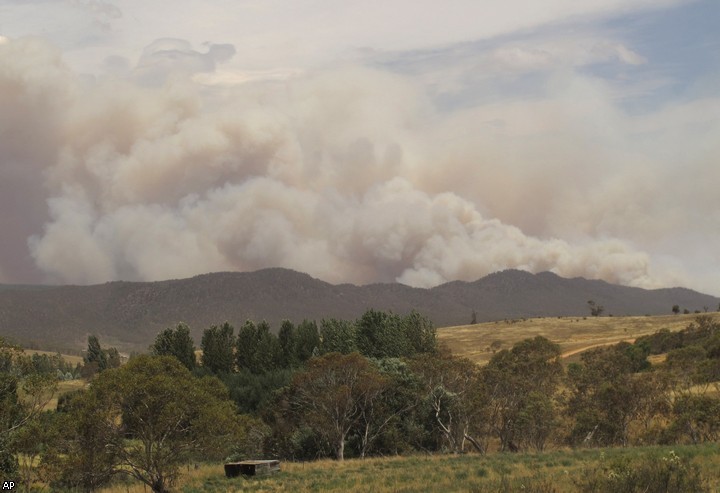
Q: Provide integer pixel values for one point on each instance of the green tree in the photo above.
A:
(258, 349)
(595, 309)
(684, 367)
(388, 425)
(420, 333)
(286, 337)
(95, 359)
(456, 398)
(332, 392)
(382, 335)
(338, 336)
(80, 454)
(113, 358)
(307, 340)
(176, 342)
(247, 345)
(515, 380)
(607, 396)
(152, 415)
(23, 395)
(537, 420)
(30, 441)
(676, 309)
(251, 392)
(696, 418)
(269, 354)
(8, 461)
(11, 416)
(218, 345)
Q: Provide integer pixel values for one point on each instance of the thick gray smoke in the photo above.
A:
(350, 175)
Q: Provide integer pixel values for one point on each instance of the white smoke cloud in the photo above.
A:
(169, 56)
(351, 175)
(102, 12)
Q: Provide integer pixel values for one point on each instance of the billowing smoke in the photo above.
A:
(350, 175)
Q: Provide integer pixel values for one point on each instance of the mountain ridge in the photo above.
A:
(129, 314)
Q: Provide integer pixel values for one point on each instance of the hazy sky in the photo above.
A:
(396, 140)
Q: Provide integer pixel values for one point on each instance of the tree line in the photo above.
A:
(378, 385)
(257, 349)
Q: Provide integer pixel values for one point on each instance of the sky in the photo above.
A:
(381, 141)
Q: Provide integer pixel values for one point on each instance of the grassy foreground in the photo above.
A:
(557, 471)
(573, 334)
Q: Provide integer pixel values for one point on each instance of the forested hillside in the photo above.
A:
(130, 314)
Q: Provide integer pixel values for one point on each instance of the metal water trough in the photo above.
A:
(252, 468)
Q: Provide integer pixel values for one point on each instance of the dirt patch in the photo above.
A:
(567, 354)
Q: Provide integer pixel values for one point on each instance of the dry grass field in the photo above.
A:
(573, 334)
(558, 471)
(73, 360)
(63, 388)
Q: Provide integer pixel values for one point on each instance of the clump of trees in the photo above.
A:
(217, 347)
(176, 342)
(145, 420)
(595, 309)
(523, 399)
(24, 393)
(258, 361)
(97, 359)
(257, 349)
(522, 384)
(335, 394)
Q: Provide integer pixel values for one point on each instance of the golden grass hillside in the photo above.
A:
(573, 334)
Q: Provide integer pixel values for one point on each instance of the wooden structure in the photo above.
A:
(252, 468)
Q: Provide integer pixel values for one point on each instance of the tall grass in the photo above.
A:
(559, 471)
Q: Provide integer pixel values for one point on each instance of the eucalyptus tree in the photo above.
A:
(145, 420)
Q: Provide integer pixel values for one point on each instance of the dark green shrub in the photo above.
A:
(8, 461)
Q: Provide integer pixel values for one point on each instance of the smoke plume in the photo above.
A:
(350, 174)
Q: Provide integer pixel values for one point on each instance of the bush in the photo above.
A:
(667, 474)
(8, 461)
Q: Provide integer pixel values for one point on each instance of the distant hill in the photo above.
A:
(130, 314)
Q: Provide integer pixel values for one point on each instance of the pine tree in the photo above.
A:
(218, 344)
(95, 359)
(176, 342)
